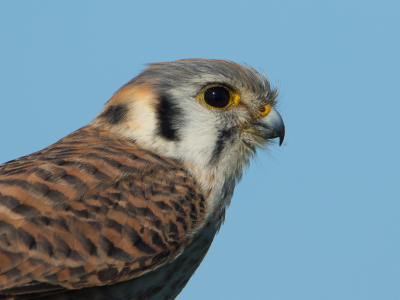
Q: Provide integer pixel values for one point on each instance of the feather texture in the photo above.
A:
(73, 218)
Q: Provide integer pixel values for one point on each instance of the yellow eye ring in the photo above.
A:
(218, 96)
(265, 110)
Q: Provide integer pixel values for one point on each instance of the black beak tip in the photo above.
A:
(281, 134)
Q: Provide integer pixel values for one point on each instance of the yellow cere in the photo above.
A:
(236, 98)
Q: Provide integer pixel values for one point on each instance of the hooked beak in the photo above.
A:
(273, 126)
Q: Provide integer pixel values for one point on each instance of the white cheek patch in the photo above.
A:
(199, 134)
(142, 121)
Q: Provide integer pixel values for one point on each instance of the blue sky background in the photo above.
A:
(317, 218)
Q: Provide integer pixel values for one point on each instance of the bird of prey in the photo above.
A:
(128, 206)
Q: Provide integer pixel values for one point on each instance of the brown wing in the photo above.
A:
(91, 210)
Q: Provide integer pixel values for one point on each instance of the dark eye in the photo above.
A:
(217, 96)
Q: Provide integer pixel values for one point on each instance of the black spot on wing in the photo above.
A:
(168, 115)
(224, 136)
(112, 251)
(108, 274)
(157, 240)
(77, 271)
(53, 195)
(115, 114)
(26, 238)
(12, 274)
(26, 210)
(138, 242)
(114, 225)
(87, 244)
(9, 201)
(45, 246)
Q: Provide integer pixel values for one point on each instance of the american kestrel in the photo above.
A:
(128, 206)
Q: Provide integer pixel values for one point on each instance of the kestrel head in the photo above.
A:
(209, 114)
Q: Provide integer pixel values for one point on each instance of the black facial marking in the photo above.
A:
(168, 115)
(223, 136)
(115, 114)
